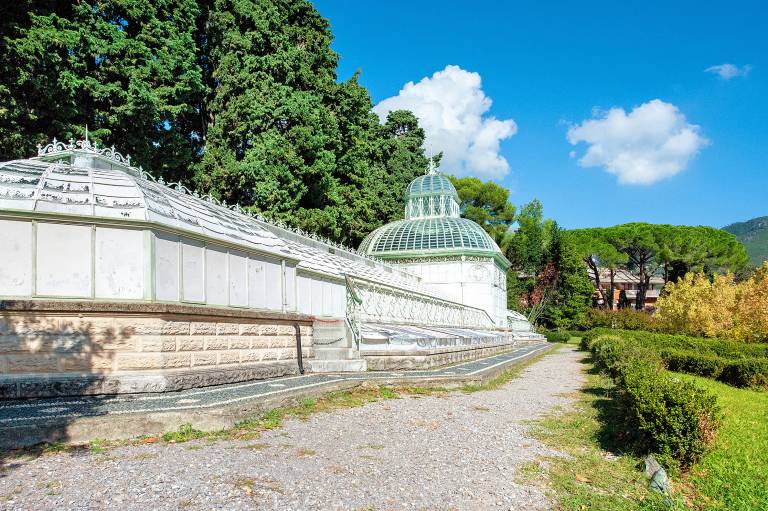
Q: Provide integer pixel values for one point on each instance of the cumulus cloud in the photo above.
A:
(452, 107)
(729, 71)
(652, 142)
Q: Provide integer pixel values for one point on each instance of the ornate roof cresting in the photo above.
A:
(83, 145)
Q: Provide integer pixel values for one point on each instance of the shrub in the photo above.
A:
(557, 336)
(732, 362)
(749, 372)
(674, 419)
(625, 319)
(717, 307)
(693, 363)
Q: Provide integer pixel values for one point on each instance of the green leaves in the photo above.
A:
(126, 68)
(286, 139)
(487, 204)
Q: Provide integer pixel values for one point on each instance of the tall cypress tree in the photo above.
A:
(287, 139)
(126, 68)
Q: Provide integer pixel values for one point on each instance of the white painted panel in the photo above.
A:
(63, 260)
(15, 258)
(327, 298)
(274, 285)
(238, 279)
(256, 283)
(290, 287)
(192, 270)
(339, 300)
(305, 294)
(216, 282)
(166, 267)
(119, 263)
(317, 296)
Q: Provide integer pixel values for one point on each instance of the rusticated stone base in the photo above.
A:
(57, 348)
(428, 358)
(51, 385)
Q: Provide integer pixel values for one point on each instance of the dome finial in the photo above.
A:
(431, 167)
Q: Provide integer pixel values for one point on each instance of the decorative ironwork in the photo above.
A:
(57, 146)
(371, 301)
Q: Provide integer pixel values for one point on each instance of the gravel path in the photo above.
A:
(454, 452)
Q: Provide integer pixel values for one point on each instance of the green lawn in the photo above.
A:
(734, 475)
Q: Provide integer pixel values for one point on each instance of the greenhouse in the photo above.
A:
(112, 281)
(452, 254)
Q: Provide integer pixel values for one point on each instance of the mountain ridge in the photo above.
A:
(754, 235)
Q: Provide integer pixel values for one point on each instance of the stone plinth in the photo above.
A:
(395, 360)
(58, 348)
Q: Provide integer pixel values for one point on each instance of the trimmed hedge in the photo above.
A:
(712, 346)
(625, 319)
(674, 419)
(557, 336)
(731, 362)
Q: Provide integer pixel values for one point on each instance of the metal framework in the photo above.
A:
(370, 301)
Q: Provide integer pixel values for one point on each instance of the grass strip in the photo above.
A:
(734, 474)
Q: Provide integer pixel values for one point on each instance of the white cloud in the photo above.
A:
(729, 71)
(651, 143)
(451, 107)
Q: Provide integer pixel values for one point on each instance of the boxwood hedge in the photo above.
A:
(674, 419)
(557, 336)
(732, 362)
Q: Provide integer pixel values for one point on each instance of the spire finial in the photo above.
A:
(431, 169)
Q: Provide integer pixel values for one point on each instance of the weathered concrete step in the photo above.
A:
(328, 353)
(338, 366)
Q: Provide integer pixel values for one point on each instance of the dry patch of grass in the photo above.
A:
(304, 452)
(256, 446)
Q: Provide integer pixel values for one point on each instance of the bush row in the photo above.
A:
(625, 319)
(674, 419)
(745, 372)
(710, 346)
(558, 336)
(731, 362)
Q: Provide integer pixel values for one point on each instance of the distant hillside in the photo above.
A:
(754, 234)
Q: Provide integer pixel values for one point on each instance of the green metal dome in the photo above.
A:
(433, 226)
(426, 236)
(431, 184)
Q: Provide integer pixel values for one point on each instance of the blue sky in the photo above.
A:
(547, 66)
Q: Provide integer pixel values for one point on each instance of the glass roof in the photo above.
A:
(428, 234)
(432, 225)
(431, 184)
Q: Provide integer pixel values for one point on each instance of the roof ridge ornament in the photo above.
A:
(57, 146)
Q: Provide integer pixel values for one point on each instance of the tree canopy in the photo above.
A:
(670, 251)
(239, 97)
(487, 204)
(126, 68)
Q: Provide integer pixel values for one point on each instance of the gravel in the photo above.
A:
(461, 451)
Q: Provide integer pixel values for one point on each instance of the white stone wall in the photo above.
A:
(46, 259)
